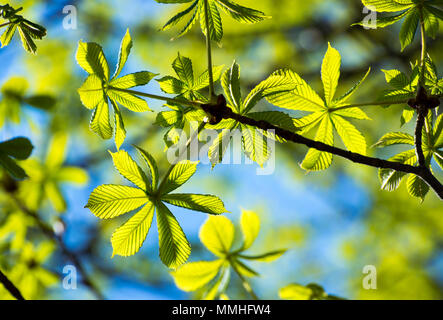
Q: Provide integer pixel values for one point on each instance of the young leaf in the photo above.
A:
(91, 58)
(352, 138)
(153, 169)
(417, 187)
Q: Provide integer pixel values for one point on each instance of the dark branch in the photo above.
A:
(12, 289)
(221, 111)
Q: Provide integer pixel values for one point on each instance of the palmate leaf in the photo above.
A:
(197, 11)
(217, 235)
(327, 114)
(98, 88)
(186, 85)
(28, 32)
(255, 145)
(390, 179)
(411, 11)
(110, 201)
(417, 187)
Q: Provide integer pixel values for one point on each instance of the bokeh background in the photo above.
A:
(333, 223)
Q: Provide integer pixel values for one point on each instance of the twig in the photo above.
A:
(221, 111)
(47, 230)
(13, 290)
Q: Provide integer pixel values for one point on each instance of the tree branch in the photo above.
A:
(12, 289)
(221, 111)
(47, 230)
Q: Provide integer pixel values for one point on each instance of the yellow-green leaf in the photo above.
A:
(128, 239)
(330, 73)
(250, 226)
(217, 234)
(91, 58)
(194, 275)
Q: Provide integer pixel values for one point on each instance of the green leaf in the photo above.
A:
(181, 173)
(350, 92)
(174, 247)
(317, 160)
(19, 148)
(214, 20)
(8, 34)
(409, 28)
(133, 80)
(302, 98)
(179, 16)
(271, 86)
(57, 151)
(417, 187)
(194, 275)
(307, 123)
(150, 162)
(92, 92)
(91, 58)
(197, 202)
(183, 69)
(129, 101)
(240, 13)
(100, 121)
(172, 85)
(437, 134)
(397, 79)
(128, 239)
(388, 5)
(407, 116)
(168, 118)
(330, 73)
(277, 118)
(125, 50)
(390, 179)
(351, 137)
(250, 226)
(110, 201)
(384, 21)
(26, 38)
(394, 138)
(220, 145)
(255, 145)
(355, 113)
(217, 235)
(266, 257)
(129, 169)
(203, 80)
(231, 85)
(12, 168)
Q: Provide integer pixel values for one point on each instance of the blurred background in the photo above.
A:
(333, 223)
